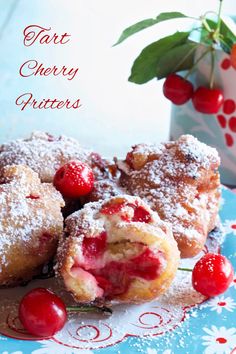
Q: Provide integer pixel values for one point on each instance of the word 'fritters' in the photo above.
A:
(38, 35)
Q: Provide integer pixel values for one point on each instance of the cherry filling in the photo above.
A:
(147, 265)
(140, 213)
(111, 209)
(97, 161)
(32, 196)
(112, 279)
(94, 246)
(129, 159)
(51, 137)
(44, 244)
(116, 277)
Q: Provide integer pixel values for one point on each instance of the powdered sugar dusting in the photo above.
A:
(43, 153)
(181, 183)
(167, 317)
(23, 219)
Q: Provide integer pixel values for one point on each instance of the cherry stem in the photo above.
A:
(184, 58)
(90, 308)
(212, 68)
(185, 269)
(219, 19)
(205, 24)
(196, 63)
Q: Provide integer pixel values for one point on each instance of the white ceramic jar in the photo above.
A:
(218, 130)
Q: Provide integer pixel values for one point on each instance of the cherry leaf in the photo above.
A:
(141, 25)
(145, 66)
(176, 59)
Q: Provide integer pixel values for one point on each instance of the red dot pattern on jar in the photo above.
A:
(229, 106)
(232, 124)
(222, 120)
(229, 140)
(226, 64)
(227, 117)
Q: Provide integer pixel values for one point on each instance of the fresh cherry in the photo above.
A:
(42, 312)
(207, 101)
(74, 179)
(177, 89)
(212, 274)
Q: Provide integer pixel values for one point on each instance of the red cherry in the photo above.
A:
(177, 89)
(208, 101)
(42, 313)
(74, 179)
(212, 274)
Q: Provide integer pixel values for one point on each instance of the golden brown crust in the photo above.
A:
(30, 224)
(180, 180)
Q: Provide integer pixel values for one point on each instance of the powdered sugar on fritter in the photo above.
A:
(43, 153)
(180, 181)
(29, 210)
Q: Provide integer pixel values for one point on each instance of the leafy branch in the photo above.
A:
(176, 52)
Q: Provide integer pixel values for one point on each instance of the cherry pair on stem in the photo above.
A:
(180, 90)
(206, 100)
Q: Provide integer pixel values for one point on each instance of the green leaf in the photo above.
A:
(139, 26)
(228, 37)
(226, 32)
(176, 59)
(226, 44)
(145, 66)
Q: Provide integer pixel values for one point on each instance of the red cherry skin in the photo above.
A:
(74, 179)
(177, 89)
(207, 101)
(212, 274)
(42, 313)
